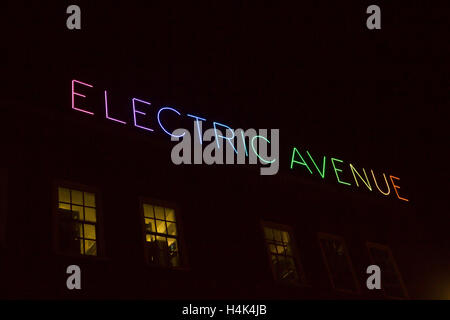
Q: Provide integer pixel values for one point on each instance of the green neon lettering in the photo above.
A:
(336, 170)
(322, 174)
(294, 151)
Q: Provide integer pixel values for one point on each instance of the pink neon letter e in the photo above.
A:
(79, 94)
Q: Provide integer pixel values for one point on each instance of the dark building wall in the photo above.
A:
(221, 210)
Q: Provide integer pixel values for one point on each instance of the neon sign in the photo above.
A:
(139, 111)
(338, 167)
(361, 178)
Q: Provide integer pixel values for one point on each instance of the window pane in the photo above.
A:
(280, 249)
(90, 214)
(77, 197)
(175, 259)
(285, 236)
(170, 215)
(148, 211)
(81, 241)
(63, 195)
(89, 231)
(77, 212)
(278, 241)
(160, 226)
(90, 247)
(150, 225)
(171, 229)
(65, 206)
(268, 233)
(288, 250)
(159, 213)
(78, 227)
(161, 233)
(89, 199)
(272, 248)
(277, 235)
(340, 268)
(163, 251)
(172, 243)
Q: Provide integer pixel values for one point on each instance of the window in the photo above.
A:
(76, 220)
(282, 254)
(391, 280)
(338, 263)
(162, 241)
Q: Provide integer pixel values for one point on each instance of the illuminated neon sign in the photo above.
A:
(315, 166)
(138, 111)
(141, 107)
(360, 177)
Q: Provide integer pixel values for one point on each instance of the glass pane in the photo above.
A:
(63, 195)
(90, 247)
(268, 233)
(277, 235)
(77, 197)
(77, 212)
(288, 250)
(282, 270)
(65, 206)
(150, 225)
(90, 214)
(280, 249)
(160, 226)
(285, 236)
(148, 211)
(162, 242)
(172, 243)
(89, 199)
(78, 229)
(150, 238)
(171, 229)
(89, 231)
(272, 248)
(81, 246)
(170, 214)
(159, 213)
(175, 259)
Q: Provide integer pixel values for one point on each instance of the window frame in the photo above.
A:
(386, 248)
(329, 236)
(295, 254)
(100, 239)
(184, 262)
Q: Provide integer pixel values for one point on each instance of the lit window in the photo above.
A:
(161, 236)
(77, 222)
(391, 280)
(285, 264)
(338, 263)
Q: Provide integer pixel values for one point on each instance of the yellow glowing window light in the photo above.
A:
(80, 206)
(281, 254)
(161, 235)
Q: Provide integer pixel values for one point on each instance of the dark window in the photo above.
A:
(282, 254)
(338, 263)
(391, 281)
(76, 222)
